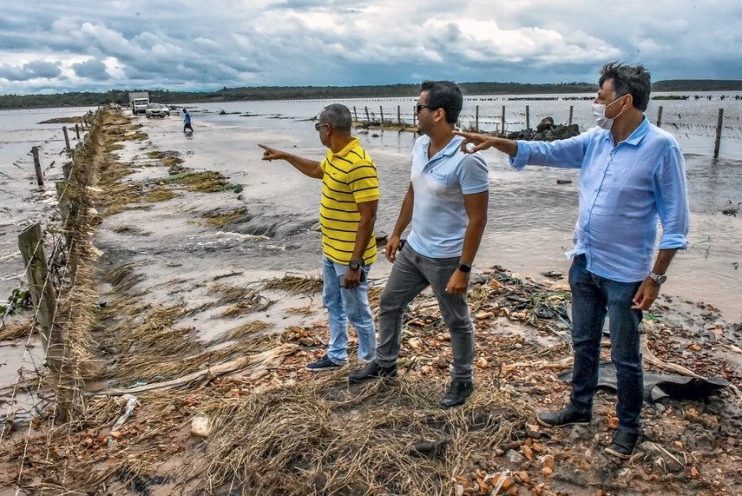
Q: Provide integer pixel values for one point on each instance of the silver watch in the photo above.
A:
(658, 278)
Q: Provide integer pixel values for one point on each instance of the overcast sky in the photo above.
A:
(55, 46)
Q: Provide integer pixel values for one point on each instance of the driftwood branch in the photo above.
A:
(215, 371)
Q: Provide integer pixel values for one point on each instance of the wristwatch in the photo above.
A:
(355, 264)
(658, 278)
(465, 268)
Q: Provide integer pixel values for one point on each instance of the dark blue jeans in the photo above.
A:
(592, 298)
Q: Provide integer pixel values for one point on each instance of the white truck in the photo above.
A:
(138, 101)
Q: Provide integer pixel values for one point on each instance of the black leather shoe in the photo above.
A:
(568, 415)
(623, 444)
(457, 393)
(372, 370)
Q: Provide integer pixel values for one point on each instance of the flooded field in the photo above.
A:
(192, 235)
(531, 216)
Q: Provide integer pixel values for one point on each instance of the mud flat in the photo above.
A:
(200, 333)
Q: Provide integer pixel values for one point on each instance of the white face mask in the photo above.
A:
(599, 114)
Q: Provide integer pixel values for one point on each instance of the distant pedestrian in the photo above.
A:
(631, 173)
(186, 121)
(350, 196)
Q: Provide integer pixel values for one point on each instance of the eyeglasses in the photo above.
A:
(420, 106)
(318, 126)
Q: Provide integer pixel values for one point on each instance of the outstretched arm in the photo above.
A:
(306, 166)
(484, 141)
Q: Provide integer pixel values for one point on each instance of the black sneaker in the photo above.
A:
(323, 364)
(623, 444)
(457, 393)
(372, 370)
(568, 415)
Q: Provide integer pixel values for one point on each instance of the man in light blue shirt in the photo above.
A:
(631, 174)
(447, 205)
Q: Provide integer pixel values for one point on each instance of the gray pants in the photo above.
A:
(411, 274)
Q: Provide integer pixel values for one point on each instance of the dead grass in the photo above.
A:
(131, 230)
(220, 219)
(171, 161)
(159, 194)
(202, 182)
(321, 438)
(15, 330)
(295, 284)
(241, 332)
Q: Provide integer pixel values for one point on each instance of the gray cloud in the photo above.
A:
(47, 46)
(92, 69)
(30, 70)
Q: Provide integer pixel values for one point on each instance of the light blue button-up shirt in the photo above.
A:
(623, 190)
(439, 184)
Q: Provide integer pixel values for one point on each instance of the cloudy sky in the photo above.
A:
(54, 46)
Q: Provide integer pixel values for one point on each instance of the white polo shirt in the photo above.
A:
(439, 183)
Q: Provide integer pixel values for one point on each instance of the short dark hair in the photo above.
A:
(444, 95)
(338, 115)
(629, 80)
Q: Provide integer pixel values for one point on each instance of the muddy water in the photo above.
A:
(530, 215)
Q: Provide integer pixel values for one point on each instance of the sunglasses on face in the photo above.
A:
(318, 126)
(420, 106)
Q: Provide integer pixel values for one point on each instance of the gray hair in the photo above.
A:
(338, 116)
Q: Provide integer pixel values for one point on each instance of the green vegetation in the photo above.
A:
(121, 97)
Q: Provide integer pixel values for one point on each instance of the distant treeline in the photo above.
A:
(85, 99)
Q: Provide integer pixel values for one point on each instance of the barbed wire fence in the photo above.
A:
(59, 285)
(516, 115)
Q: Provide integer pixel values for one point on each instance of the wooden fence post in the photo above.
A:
(66, 139)
(37, 166)
(718, 133)
(368, 119)
(77, 131)
(381, 113)
(414, 116)
(659, 116)
(528, 117)
(399, 116)
(355, 114)
(66, 170)
(43, 294)
(476, 118)
(571, 113)
(502, 121)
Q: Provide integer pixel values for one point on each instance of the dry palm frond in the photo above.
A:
(241, 332)
(295, 284)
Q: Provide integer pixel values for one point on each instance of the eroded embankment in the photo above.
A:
(181, 331)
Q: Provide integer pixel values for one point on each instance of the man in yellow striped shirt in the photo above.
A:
(350, 197)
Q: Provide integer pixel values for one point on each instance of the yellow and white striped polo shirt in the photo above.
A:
(349, 178)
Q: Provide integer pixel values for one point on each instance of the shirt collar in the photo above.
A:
(346, 149)
(636, 136)
(449, 150)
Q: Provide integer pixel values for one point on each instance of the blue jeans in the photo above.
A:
(592, 298)
(344, 305)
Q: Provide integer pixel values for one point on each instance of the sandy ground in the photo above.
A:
(187, 257)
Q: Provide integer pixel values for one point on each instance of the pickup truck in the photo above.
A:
(138, 101)
(156, 110)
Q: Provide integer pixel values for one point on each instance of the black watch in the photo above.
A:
(355, 264)
(465, 268)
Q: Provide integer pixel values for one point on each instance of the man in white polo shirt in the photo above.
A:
(447, 205)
